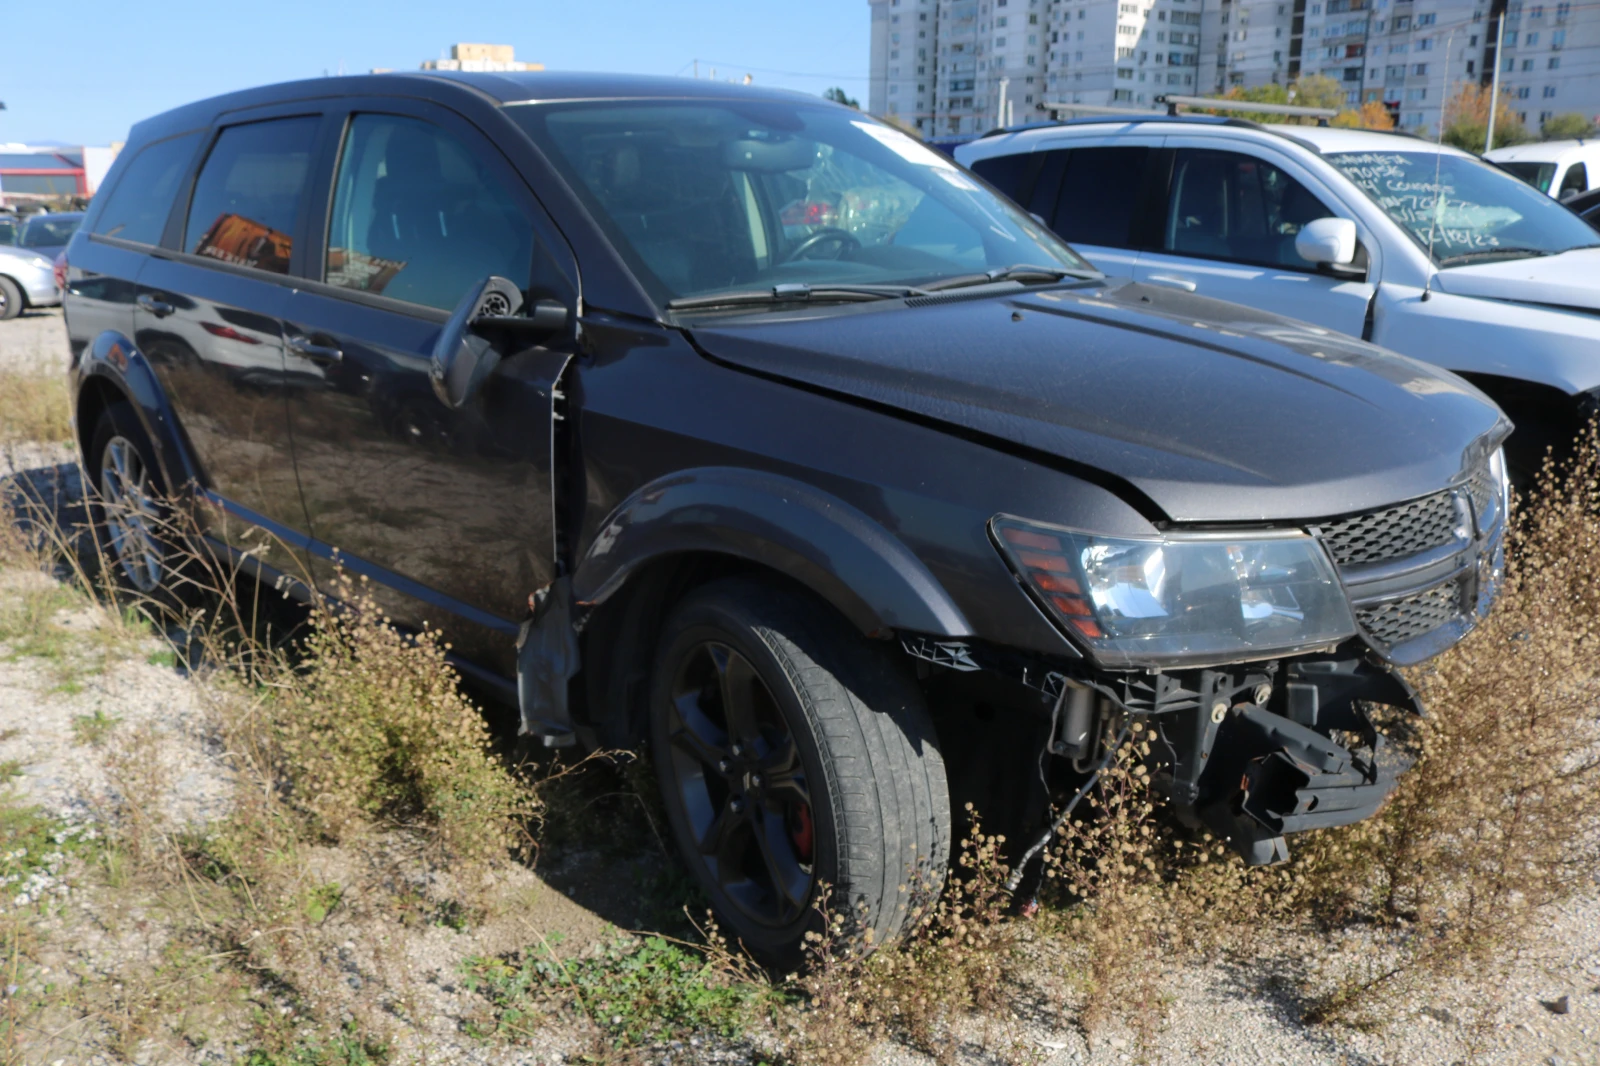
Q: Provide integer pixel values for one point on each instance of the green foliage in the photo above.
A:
(636, 992)
(346, 1049)
(92, 729)
(839, 96)
(372, 724)
(1468, 135)
(1567, 126)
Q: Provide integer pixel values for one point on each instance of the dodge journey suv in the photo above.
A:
(734, 424)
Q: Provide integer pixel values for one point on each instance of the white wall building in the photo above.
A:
(947, 66)
(1551, 61)
(939, 65)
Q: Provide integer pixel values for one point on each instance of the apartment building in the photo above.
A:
(1550, 63)
(960, 67)
(947, 67)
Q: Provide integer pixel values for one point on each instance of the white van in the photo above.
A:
(1341, 229)
(1561, 168)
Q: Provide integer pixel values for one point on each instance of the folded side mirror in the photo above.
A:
(462, 358)
(1327, 240)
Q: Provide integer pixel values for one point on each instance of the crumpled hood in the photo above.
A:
(1571, 279)
(1213, 411)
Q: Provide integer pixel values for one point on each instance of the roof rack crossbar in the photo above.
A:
(1175, 102)
(1096, 109)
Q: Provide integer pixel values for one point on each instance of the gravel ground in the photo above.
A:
(1228, 1011)
(34, 339)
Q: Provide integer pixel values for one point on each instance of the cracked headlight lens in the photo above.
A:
(1181, 598)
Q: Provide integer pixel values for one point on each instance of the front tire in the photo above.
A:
(793, 753)
(11, 301)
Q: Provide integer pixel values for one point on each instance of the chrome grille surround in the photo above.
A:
(1420, 574)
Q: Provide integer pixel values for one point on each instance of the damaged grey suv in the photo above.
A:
(738, 426)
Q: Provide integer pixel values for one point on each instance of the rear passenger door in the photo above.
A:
(208, 315)
(1227, 227)
(1089, 190)
(448, 512)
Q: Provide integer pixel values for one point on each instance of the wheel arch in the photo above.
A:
(681, 532)
(113, 370)
(1544, 415)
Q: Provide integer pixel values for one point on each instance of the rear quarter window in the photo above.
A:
(138, 205)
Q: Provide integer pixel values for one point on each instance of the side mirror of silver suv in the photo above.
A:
(1327, 240)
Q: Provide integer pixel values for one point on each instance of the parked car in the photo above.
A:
(48, 233)
(1562, 169)
(10, 229)
(27, 279)
(736, 424)
(1336, 227)
(1586, 206)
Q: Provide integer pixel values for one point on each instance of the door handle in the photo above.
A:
(159, 308)
(317, 353)
(1172, 281)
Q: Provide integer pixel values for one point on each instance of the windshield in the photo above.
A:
(50, 231)
(1539, 175)
(716, 196)
(1463, 210)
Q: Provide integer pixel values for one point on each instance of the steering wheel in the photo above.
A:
(826, 235)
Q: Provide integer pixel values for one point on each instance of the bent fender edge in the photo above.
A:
(114, 358)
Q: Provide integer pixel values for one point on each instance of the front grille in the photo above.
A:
(1406, 619)
(1481, 490)
(1393, 533)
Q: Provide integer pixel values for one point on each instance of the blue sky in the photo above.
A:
(83, 73)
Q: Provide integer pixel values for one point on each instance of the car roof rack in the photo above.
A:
(1321, 114)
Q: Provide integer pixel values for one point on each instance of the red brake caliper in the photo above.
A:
(802, 833)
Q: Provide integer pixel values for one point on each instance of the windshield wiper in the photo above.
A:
(1485, 253)
(793, 293)
(1022, 272)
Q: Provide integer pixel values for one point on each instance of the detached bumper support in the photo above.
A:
(1293, 779)
(547, 660)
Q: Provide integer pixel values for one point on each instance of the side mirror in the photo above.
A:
(1327, 240)
(466, 351)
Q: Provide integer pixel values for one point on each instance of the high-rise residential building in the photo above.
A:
(951, 67)
(960, 67)
(1550, 64)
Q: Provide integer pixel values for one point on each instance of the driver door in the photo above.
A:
(447, 513)
(1228, 232)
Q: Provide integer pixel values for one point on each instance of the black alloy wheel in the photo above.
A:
(795, 756)
(742, 785)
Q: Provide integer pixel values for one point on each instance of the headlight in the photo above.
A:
(1175, 599)
(1496, 499)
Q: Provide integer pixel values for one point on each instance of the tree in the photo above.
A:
(1314, 90)
(839, 96)
(1466, 120)
(1566, 126)
(1372, 115)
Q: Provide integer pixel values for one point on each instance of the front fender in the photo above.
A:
(826, 544)
(112, 361)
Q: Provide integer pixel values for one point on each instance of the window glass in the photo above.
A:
(50, 231)
(1046, 190)
(1576, 180)
(1539, 175)
(248, 194)
(1004, 172)
(1227, 205)
(10, 230)
(417, 218)
(1099, 194)
(704, 197)
(1462, 210)
(137, 207)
